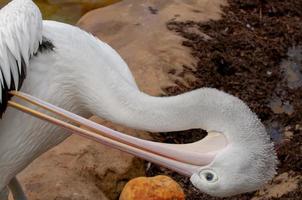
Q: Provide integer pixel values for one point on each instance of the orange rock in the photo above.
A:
(153, 188)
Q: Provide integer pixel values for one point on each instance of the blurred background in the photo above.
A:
(68, 11)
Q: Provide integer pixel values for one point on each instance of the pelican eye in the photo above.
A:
(208, 175)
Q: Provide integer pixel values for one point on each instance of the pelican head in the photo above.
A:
(246, 163)
(236, 170)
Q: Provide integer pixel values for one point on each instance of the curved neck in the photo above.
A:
(208, 109)
(126, 105)
(102, 84)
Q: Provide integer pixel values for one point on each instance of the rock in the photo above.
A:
(84, 4)
(69, 11)
(137, 30)
(159, 188)
(82, 169)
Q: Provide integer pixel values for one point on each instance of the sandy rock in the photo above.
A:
(137, 30)
(159, 188)
(81, 169)
(84, 4)
(69, 11)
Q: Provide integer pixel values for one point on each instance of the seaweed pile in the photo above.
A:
(242, 54)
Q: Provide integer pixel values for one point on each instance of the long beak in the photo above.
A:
(185, 159)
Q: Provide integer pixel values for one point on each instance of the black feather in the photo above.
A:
(45, 47)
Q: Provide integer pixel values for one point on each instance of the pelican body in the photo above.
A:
(75, 71)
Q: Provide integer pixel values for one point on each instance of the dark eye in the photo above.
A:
(209, 176)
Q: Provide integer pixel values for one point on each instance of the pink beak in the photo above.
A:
(185, 159)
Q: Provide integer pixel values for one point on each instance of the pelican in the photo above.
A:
(61, 75)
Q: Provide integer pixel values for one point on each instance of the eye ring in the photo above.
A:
(209, 176)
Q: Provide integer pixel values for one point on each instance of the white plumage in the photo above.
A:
(86, 76)
(20, 35)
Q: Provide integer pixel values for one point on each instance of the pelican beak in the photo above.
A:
(185, 159)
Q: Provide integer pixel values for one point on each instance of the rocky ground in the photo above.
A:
(251, 49)
(254, 52)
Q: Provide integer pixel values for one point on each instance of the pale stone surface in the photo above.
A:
(137, 30)
(81, 169)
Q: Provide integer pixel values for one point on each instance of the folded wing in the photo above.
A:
(20, 36)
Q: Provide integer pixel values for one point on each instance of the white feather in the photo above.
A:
(21, 33)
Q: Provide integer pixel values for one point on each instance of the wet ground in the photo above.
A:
(254, 53)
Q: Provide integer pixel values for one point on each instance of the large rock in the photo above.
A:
(137, 30)
(82, 169)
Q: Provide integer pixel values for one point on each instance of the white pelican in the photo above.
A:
(75, 71)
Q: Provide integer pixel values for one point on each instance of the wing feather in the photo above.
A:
(14, 71)
(20, 37)
(5, 68)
